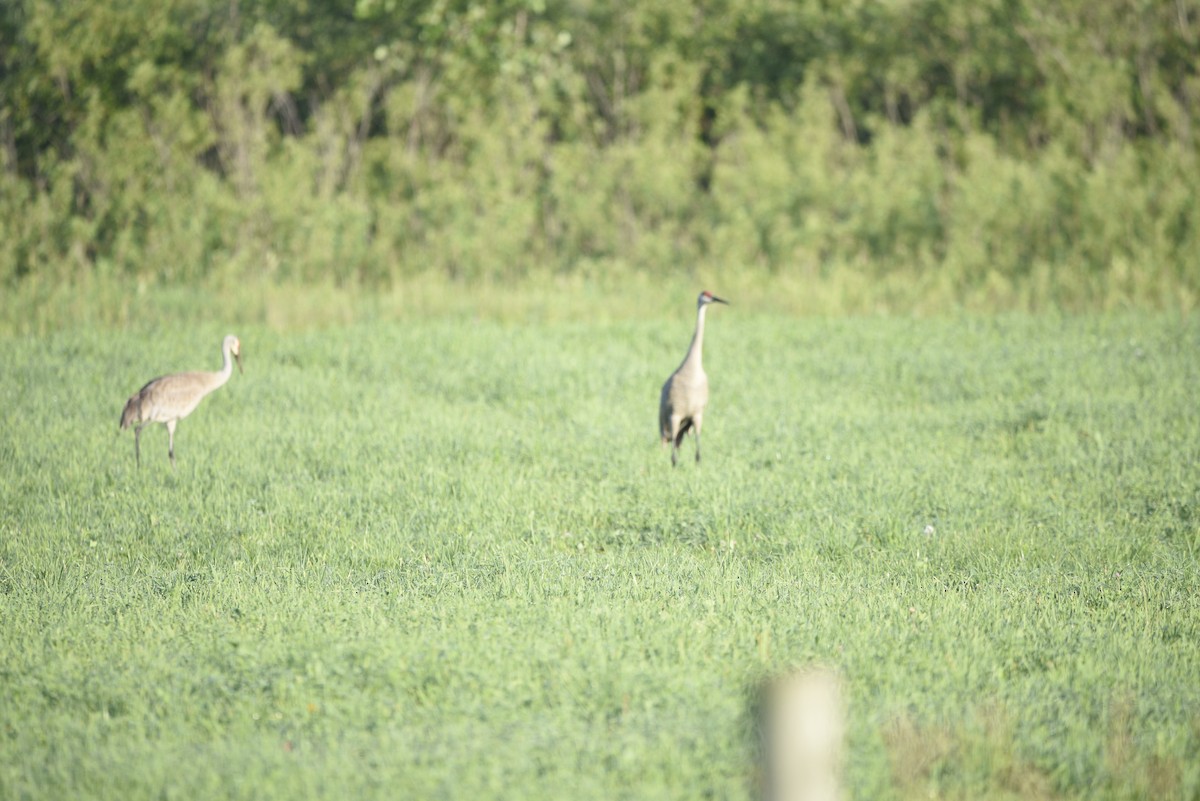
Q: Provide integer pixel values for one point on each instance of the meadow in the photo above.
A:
(445, 557)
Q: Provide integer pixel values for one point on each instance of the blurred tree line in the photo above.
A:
(360, 141)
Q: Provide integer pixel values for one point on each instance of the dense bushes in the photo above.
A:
(1000, 144)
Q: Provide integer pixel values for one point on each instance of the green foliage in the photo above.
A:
(972, 147)
(449, 559)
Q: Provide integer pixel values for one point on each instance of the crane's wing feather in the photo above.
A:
(664, 410)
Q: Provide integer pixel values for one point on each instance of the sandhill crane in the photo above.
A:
(685, 394)
(170, 398)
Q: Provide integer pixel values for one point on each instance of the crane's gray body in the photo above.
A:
(685, 394)
(170, 398)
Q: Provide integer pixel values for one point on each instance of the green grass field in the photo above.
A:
(445, 558)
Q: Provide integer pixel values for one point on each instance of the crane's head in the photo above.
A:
(707, 297)
(233, 346)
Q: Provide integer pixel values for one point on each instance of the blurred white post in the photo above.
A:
(803, 726)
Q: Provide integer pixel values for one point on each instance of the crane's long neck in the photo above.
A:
(222, 375)
(693, 359)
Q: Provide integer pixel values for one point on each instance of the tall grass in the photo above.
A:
(445, 557)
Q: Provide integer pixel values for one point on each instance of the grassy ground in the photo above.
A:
(447, 559)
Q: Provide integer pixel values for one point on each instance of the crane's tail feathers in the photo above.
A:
(130, 412)
(683, 429)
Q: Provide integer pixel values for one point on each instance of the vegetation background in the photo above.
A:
(914, 155)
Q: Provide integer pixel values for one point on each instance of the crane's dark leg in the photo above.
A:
(137, 445)
(697, 446)
(171, 441)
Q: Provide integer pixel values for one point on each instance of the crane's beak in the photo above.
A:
(237, 357)
(719, 300)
